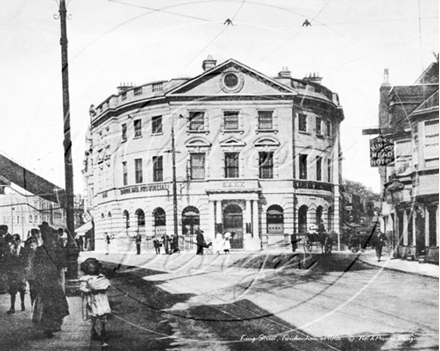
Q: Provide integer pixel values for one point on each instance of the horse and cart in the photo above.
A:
(314, 238)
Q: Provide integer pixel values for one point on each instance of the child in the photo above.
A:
(227, 243)
(93, 286)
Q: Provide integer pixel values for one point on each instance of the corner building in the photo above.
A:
(255, 155)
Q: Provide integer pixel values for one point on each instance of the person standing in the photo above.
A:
(294, 242)
(4, 246)
(30, 247)
(51, 304)
(138, 243)
(379, 243)
(200, 239)
(80, 243)
(15, 272)
(107, 243)
(227, 243)
(157, 244)
(96, 307)
(166, 243)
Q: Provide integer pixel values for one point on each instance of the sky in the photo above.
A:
(349, 43)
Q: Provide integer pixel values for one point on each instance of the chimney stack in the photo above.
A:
(285, 73)
(313, 78)
(386, 77)
(208, 63)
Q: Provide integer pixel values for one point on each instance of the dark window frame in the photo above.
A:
(232, 165)
(318, 168)
(138, 170)
(231, 120)
(137, 125)
(265, 165)
(302, 166)
(265, 124)
(157, 168)
(196, 121)
(194, 168)
(302, 123)
(156, 125)
(124, 173)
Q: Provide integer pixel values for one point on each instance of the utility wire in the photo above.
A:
(162, 10)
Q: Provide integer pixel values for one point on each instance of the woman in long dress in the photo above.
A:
(51, 304)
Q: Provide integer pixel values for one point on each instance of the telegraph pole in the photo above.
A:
(173, 151)
(72, 250)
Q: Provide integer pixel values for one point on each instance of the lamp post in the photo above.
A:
(395, 189)
(173, 151)
(72, 249)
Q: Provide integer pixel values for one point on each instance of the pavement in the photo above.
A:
(412, 267)
(214, 280)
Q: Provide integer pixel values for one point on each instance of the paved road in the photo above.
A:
(278, 302)
(248, 302)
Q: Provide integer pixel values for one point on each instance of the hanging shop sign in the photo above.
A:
(381, 151)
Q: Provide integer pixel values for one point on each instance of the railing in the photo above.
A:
(310, 184)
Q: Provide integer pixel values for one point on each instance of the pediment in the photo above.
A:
(197, 142)
(232, 141)
(231, 78)
(266, 141)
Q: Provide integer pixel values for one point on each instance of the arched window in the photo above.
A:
(302, 219)
(159, 217)
(190, 220)
(126, 217)
(318, 214)
(275, 220)
(140, 217)
(109, 214)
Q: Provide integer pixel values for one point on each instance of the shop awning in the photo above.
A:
(84, 228)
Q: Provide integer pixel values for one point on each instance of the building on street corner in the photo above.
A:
(255, 156)
(409, 117)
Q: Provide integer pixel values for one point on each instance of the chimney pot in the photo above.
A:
(209, 63)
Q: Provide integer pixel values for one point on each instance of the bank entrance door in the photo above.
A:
(233, 223)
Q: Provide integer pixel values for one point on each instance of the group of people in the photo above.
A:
(222, 242)
(40, 263)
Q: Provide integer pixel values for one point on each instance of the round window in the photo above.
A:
(231, 80)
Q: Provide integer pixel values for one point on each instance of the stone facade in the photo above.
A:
(254, 155)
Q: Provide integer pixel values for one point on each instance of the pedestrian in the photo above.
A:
(201, 243)
(227, 243)
(294, 242)
(80, 243)
(138, 243)
(157, 244)
(4, 246)
(166, 243)
(107, 243)
(62, 237)
(379, 243)
(30, 248)
(15, 273)
(218, 243)
(174, 246)
(96, 307)
(51, 304)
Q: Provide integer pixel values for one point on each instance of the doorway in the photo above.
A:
(233, 223)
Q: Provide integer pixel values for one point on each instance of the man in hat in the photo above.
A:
(15, 272)
(200, 239)
(4, 246)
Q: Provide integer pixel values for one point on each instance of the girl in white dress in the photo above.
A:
(93, 286)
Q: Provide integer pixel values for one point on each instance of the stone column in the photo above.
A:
(248, 214)
(405, 228)
(426, 226)
(255, 226)
(436, 226)
(211, 219)
(218, 217)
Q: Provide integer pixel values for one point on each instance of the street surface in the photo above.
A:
(251, 301)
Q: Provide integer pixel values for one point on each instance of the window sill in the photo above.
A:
(226, 131)
(275, 131)
(123, 141)
(301, 132)
(138, 137)
(320, 136)
(188, 131)
(154, 134)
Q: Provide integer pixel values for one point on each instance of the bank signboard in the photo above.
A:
(381, 151)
